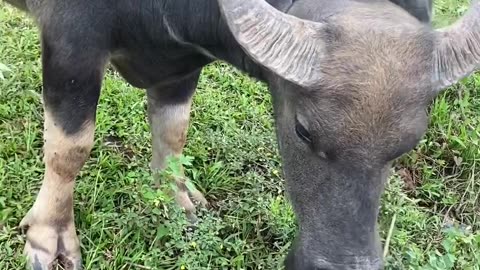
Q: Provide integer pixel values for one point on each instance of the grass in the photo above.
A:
(430, 211)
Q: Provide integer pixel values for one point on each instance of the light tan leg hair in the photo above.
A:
(50, 223)
(169, 125)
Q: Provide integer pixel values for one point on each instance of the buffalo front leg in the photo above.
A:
(71, 89)
(169, 113)
(49, 225)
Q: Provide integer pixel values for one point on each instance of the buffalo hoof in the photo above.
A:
(50, 243)
(185, 195)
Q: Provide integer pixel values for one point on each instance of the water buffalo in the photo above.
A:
(350, 81)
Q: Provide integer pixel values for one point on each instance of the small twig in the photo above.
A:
(389, 236)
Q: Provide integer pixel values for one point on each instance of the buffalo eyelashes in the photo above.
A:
(302, 132)
(306, 137)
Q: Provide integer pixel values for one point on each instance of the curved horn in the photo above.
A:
(457, 53)
(288, 46)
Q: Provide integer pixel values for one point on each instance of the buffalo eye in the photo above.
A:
(302, 132)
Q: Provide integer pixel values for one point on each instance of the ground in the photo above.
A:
(430, 215)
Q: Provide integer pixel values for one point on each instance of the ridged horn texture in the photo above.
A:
(286, 45)
(457, 54)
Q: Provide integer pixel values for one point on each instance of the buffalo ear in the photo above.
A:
(457, 51)
(286, 45)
